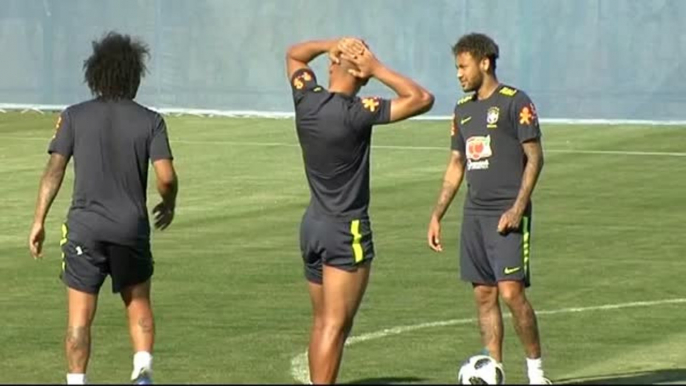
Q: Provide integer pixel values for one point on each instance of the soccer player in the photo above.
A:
(334, 129)
(496, 142)
(107, 232)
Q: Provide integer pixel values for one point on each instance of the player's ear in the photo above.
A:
(485, 65)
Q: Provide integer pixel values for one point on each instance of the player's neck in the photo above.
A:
(343, 84)
(341, 88)
(488, 87)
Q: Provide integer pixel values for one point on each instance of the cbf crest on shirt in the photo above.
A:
(489, 134)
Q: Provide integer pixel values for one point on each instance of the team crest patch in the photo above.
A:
(371, 104)
(527, 114)
(299, 81)
(492, 117)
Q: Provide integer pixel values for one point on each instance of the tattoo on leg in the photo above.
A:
(490, 330)
(526, 326)
(78, 347)
(146, 325)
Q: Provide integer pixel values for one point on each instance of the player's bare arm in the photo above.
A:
(452, 180)
(511, 219)
(50, 185)
(412, 98)
(167, 186)
(299, 55)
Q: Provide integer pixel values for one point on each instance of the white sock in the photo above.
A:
(141, 360)
(534, 368)
(76, 379)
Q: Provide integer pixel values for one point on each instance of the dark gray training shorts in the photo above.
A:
(487, 257)
(341, 244)
(86, 263)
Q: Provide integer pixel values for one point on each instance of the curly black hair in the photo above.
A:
(115, 68)
(479, 46)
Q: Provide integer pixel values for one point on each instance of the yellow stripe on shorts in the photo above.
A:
(526, 247)
(64, 234)
(63, 241)
(357, 237)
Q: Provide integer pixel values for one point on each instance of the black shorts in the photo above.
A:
(86, 264)
(487, 257)
(341, 244)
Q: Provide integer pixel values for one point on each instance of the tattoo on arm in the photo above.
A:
(445, 198)
(451, 183)
(50, 185)
(534, 165)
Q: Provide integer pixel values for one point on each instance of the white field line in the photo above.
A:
(301, 373)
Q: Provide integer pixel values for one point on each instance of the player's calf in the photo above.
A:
(141, 328)
(77, 345)
(526, 326)
(490, 319)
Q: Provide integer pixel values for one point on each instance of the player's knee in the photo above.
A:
(486, 296)
(513, 296)
(336, 326)
(318, 323)
(137, 295)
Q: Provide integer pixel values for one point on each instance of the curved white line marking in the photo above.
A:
(301, 373)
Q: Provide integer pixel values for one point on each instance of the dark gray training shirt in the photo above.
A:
(335, 134)
(490, 133)
(112, 143)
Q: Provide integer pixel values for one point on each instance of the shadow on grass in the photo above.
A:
(386, 381)
(636, 378)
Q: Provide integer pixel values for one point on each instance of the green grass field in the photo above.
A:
(229, 294)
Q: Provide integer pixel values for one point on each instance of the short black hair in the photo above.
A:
(480, 46)
(116, 67)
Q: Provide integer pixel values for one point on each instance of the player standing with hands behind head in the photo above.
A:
(496, 137)
(334, 129)
(112, 139)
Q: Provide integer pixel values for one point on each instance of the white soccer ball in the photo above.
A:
(481, 370)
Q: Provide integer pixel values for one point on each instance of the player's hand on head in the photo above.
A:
(337, 49)
(164, 216)
(335, 53)
(509, 221)
(357, 52)
(36, 239)
(352, 46)
(434, 235)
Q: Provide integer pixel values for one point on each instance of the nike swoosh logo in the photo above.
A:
(465, 120)
(510, 271)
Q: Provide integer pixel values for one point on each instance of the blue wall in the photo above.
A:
(606, 59)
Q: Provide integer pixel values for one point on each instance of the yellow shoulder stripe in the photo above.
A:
(465, 99)
(508, 91)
